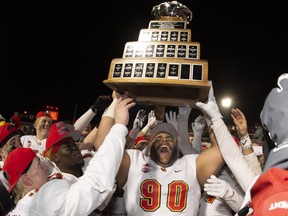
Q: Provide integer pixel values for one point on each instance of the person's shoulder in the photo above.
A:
(188, 156)
(134, 151)
(55, 184)
(136, 155)
(52, 196)
(27, 136)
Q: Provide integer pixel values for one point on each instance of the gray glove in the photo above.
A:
(199, 124)
(138, 123)
(184, 111)
(151, 122)
(171, 118)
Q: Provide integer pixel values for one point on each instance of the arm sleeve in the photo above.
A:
(196, 143)
(234, 200)
(183, 136)
(232, 155)
(253, 162)
(82, 122)
(98, 181)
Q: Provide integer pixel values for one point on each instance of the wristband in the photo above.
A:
(145, 129)
(245, 142)
(110, 110)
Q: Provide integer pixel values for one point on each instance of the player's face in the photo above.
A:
(37, 173)
(69, 155)
(43, 125)
(163, 150)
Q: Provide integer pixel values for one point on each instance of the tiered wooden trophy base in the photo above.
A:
(169, 82)
(163, 67)
(165, 93)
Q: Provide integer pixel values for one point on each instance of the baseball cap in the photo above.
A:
(16, 163)
(41, 114)
(269, 195)
(163, 127)
(274, 114)
(7, 131)
(58, 132)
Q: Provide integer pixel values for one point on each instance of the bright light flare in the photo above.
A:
(226, 102)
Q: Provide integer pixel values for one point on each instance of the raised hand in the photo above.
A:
(199, 124)
(217, 187)
(122, 110)
(171, 118)
(138, 123)
(240, 122)
(184, 111)
(101, 103)
(139, 119)
(151, 122)
(210, 108)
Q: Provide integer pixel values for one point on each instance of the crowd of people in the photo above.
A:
(157, 167)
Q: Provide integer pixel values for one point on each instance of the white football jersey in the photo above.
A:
(153, 190)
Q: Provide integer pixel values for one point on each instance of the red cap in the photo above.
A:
(15, 164)
(42, 113)
(270, 193)
(59, 131)
(6, 132)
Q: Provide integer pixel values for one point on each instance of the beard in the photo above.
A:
(155, 157)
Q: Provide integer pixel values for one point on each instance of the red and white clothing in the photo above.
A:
(153, 190)
(31, 141)
(87, 155)
(215, 206)
(61, 197)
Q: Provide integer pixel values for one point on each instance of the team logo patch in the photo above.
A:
(146, 168)
(210, 199)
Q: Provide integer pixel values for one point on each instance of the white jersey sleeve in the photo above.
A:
(61, 197)
(233, 156)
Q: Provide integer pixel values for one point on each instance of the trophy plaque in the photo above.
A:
(163, 67)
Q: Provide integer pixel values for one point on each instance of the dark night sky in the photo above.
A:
(59, 52)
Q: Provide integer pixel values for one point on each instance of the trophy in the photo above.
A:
(163, 67)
